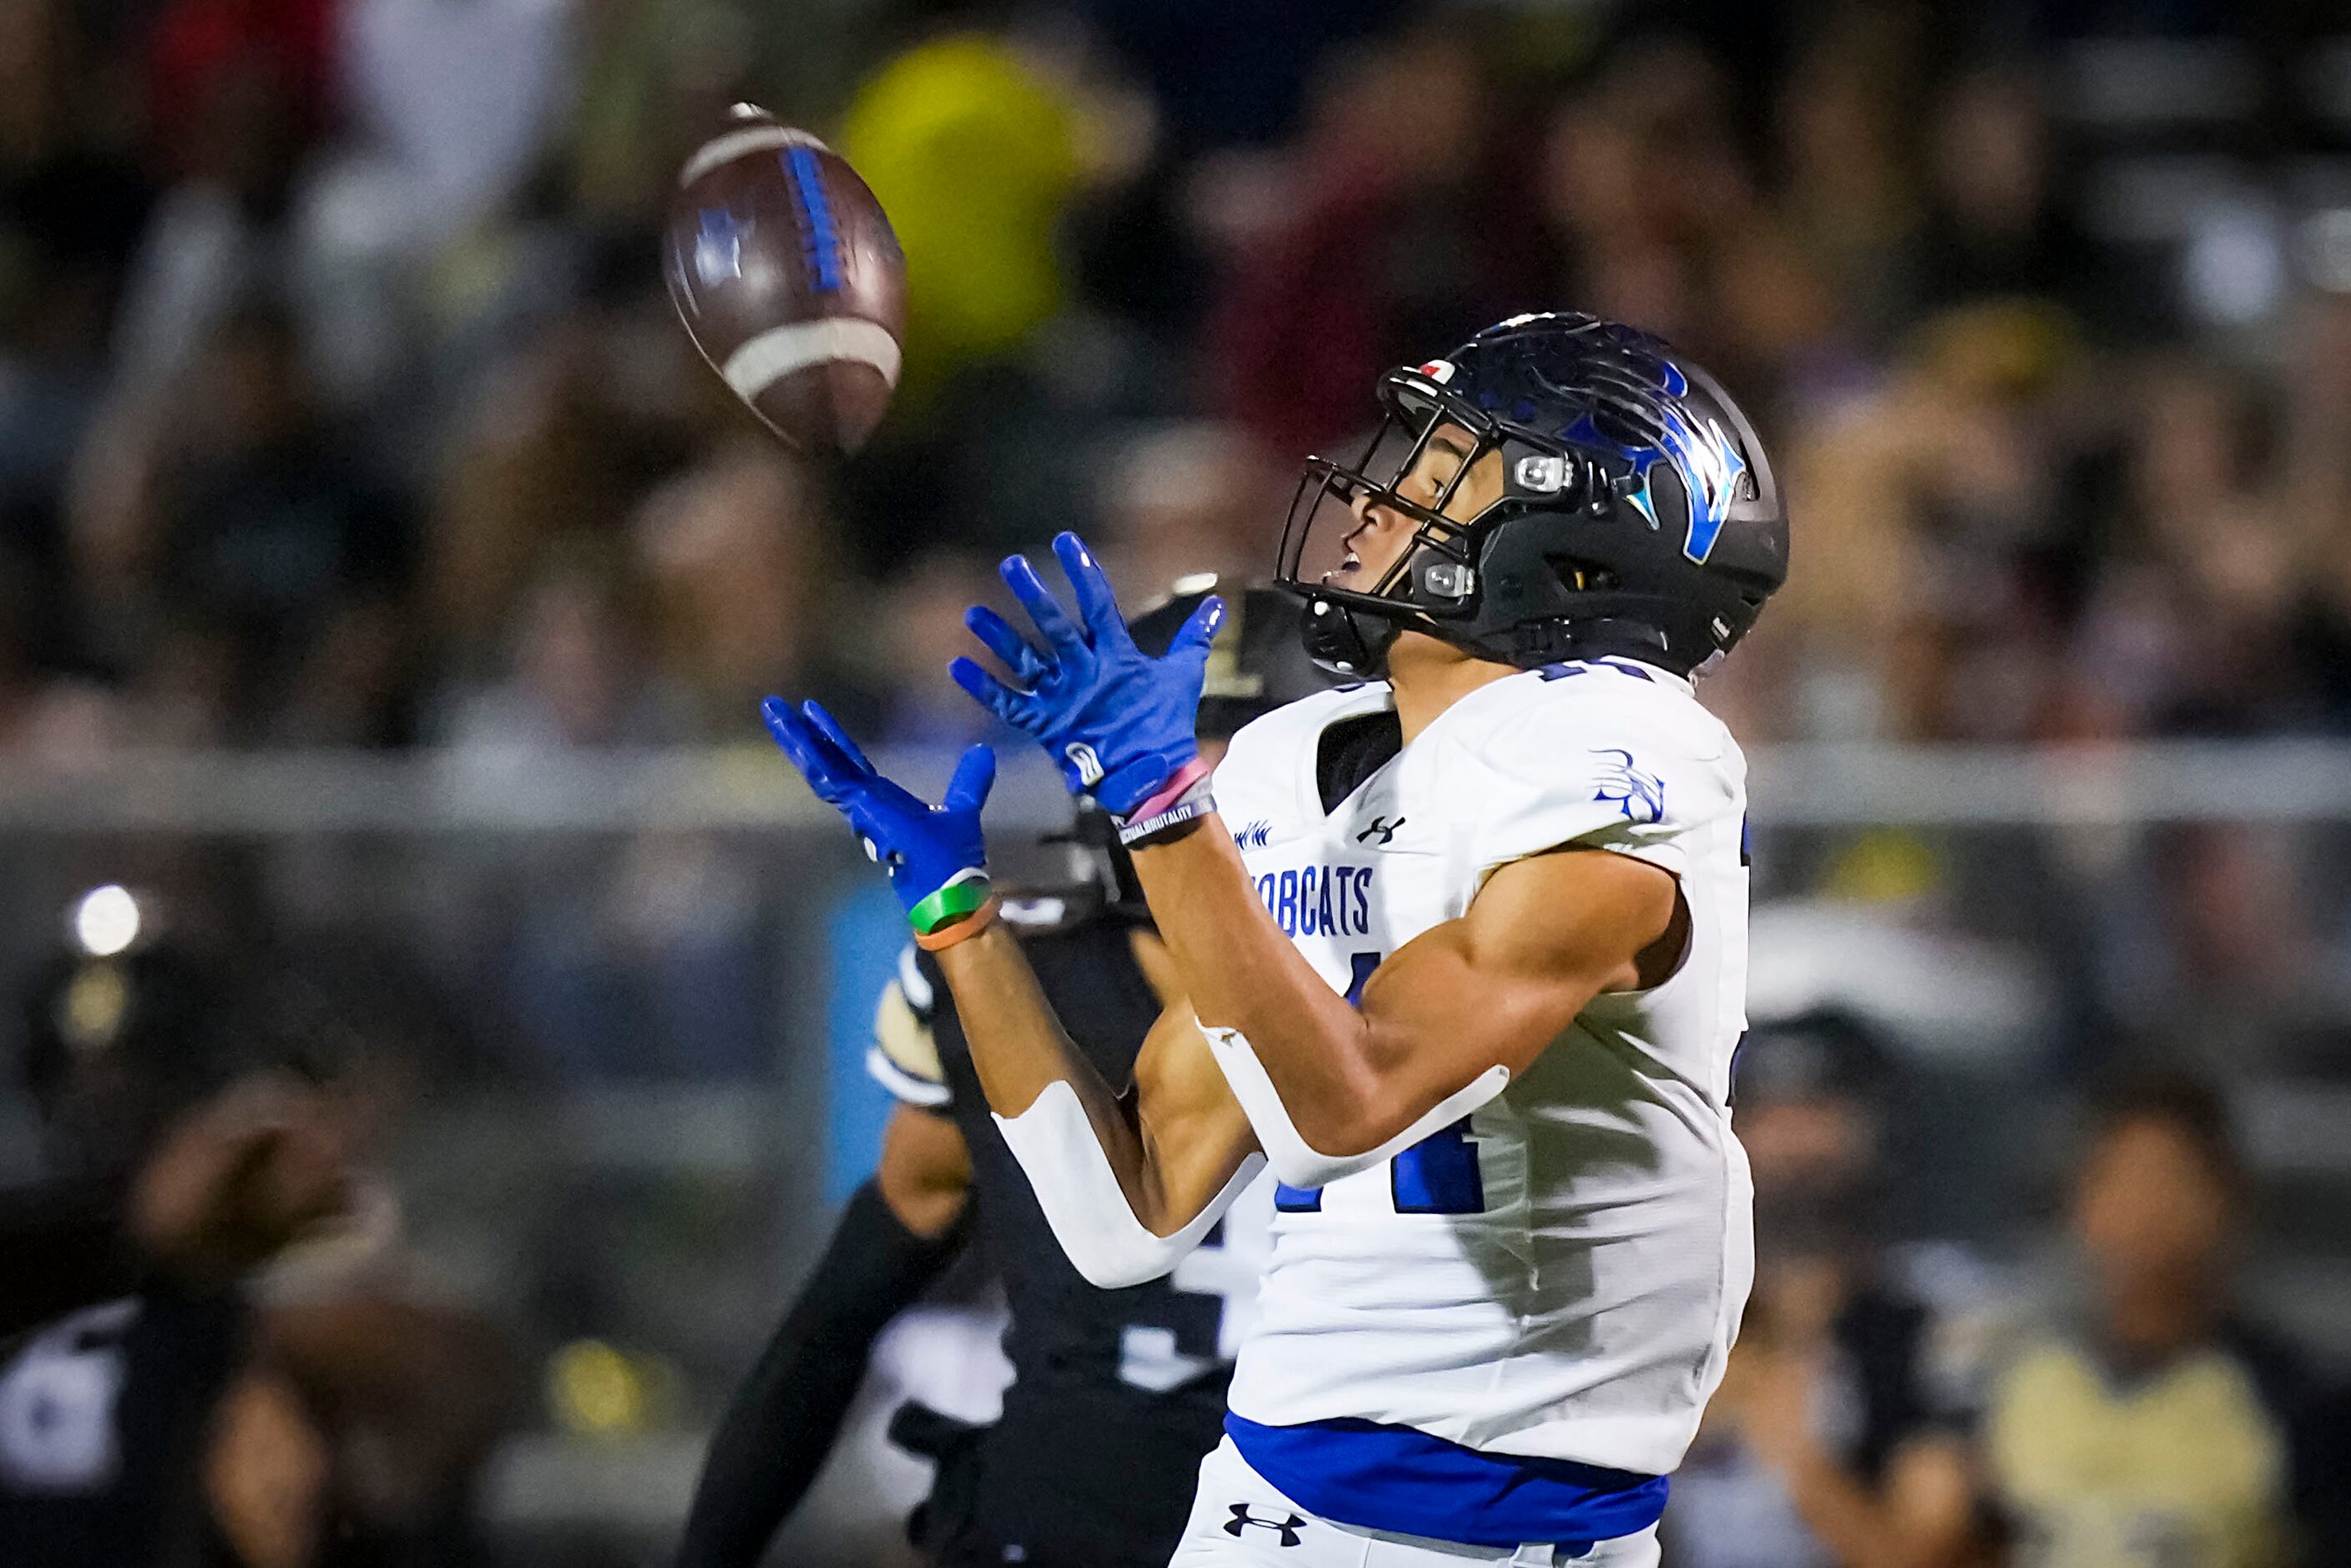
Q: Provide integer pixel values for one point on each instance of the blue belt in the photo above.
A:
(1403, 1480)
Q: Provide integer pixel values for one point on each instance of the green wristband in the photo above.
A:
(962, 896)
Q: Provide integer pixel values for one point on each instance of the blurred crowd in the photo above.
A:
(339, 406)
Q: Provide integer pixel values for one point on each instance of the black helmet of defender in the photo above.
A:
(1639, 514)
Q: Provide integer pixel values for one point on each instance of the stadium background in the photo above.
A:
(385, 591)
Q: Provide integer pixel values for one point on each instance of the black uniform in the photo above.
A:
(103, 1415)
(1117, 1394)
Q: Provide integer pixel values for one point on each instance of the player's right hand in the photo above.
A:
(936, 855)
(1117, 722)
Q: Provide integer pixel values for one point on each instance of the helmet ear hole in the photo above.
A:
(1583, 576)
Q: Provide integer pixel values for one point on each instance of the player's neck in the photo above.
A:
(1429, 676)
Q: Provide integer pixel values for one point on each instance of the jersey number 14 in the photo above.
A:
(1438, 1175)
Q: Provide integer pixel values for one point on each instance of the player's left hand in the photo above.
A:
(936, 855)
(1118, 722)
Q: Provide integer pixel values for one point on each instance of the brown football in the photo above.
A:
(786, 274)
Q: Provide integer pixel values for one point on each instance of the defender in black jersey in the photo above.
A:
(175, 1169)
(1116, 1395)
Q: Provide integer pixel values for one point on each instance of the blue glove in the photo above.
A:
(1117, 722)
(936, 855)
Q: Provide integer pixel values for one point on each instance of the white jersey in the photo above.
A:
(1559, 1274)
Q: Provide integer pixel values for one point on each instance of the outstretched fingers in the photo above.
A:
(1200, 630)
(975, 776)
(1053, 623)
(989, 691)
(790, 733)
(1008, 645)
(1091, 587)
(828, 727)
(829, 773)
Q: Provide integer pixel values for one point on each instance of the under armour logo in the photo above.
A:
(1254, 836)
(1242, 1520)
(1082, 758)
(1381, 826)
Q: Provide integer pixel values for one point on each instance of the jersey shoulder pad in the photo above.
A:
(1600, 754)
(1259, 775)
(904, 1057)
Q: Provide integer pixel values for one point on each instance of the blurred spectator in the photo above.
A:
(921, 632)
(1642, 182)
(737, 555)
(579, 678)
(1993, 225)
(457, 101)
(1394, 245)
(1835, 1437)
(240, 88)
(1189, 498)
(2151, 1425)
(231, 510)
(543, 448)
(1217, 94)
(71, 209)
(1843, 139)
(641, 961)
(974, 155)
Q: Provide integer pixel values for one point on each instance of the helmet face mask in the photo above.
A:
(1432, 578)
(1634, 511)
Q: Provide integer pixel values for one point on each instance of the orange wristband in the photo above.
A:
(962, 930)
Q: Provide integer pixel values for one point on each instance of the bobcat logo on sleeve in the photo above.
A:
(1243, 1519)
(1640, 796)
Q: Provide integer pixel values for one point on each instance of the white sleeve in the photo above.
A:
(1298, 1163)
(1083, 1203)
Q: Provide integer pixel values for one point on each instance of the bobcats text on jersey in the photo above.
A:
(1320, 900)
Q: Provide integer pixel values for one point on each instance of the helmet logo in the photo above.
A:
(1707, 459)
(1438, 371)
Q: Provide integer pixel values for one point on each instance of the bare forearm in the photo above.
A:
(1242, 973)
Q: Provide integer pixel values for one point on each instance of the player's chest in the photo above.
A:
(1361, 879)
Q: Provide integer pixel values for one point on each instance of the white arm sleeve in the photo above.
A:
(1083, 1203)
(1298, 1163)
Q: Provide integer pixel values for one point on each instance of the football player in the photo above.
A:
(1462, 948)
(178, 1168)
(1117, 1394)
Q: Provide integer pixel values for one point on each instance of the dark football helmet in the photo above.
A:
(1639, 514)
(1255, 665)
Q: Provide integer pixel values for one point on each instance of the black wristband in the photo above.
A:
(783, 1419)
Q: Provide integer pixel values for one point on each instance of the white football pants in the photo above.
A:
(1239, 1521)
